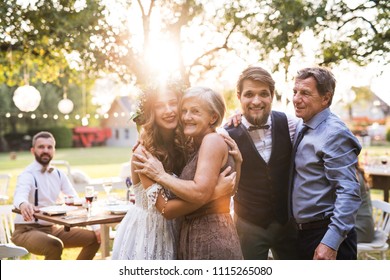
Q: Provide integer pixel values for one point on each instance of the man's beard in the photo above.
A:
(44, 161)
(258, 120)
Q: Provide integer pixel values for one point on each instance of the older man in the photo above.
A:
(324, 187)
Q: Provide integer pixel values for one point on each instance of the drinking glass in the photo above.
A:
(107, 186)
(89, 194)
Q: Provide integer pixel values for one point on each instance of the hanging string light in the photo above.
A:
(26, 98)
(84, 121)
(65, 106)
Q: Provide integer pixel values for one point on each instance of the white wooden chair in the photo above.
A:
(381, 213)
(11, 251)
(80, 179)
(65, 166)
(7, 248)
(4, 184)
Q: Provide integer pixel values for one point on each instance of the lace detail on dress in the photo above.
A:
(144, 234)
(138, 195)
(152, 194)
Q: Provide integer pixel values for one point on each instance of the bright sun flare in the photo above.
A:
(162, 58)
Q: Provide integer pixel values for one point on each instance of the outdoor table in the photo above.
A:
(79, 220)
(380, 179)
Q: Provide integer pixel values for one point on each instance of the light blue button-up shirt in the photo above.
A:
(325, 182)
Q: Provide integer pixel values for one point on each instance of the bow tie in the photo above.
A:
(255, 127)
(48, 169)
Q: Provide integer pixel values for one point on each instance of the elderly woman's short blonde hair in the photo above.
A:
(213, 100)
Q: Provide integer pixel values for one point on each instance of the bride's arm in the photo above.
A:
(177, 207)
(212, 155)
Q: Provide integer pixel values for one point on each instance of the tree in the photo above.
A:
(49, 45)
(357, 32)
(41, 37)
(38, 42)
(273, 25)
(53, 41)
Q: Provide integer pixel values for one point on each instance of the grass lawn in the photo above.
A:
(100, 162)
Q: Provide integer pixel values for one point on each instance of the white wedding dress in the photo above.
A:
(144, 234)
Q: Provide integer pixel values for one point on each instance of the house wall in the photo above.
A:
(124, 131)
(123, 137)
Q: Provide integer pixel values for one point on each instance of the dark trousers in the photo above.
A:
(308, 240)
(257, 241)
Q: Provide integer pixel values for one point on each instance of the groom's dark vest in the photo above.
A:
(262, 194)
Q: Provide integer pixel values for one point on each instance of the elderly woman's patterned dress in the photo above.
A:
(209, 233)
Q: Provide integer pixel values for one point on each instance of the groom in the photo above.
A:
(264, 138)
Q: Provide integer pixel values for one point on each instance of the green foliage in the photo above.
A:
(232, 103)
(275, 25)
(358, 33)
(63, 135)
(35, 40)
(5, 98)
(388, 135)
(355, 33)
(22, 140)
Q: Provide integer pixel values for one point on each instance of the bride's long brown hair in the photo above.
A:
(173, 159)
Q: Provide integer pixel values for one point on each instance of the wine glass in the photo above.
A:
(89, 194)
(107, 186)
